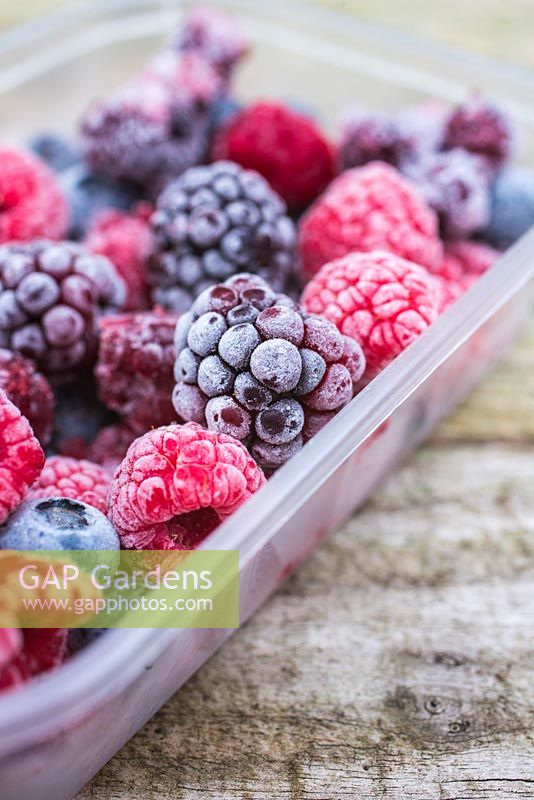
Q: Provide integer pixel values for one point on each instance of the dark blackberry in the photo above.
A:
(153, 129)
(29, 391)
(58, 151)
(88, 194)
(212, 223)
(135, 367)
(253, 365)
(50, 294)
(369, 137)
(482, 128)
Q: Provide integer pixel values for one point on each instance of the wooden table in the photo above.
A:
(399, 661)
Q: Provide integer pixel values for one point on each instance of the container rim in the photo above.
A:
(101, 671)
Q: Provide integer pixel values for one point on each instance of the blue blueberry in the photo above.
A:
(57, 523)
(58, 152)
(512, 207)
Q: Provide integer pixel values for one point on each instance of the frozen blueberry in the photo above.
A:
(58, 152)
(57, 523)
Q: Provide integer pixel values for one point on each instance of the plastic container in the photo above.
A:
(56, 733)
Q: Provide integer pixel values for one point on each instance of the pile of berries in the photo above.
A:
(196, 288)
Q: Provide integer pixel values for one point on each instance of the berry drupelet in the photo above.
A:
(50, 294)
(135, 367)
(252, 365)
(29, 391)
(212, 223)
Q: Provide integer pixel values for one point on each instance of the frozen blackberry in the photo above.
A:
(50, 294)
(151, 130)
(482, 128)
(253, 365)
(212, 223)
(29, 391)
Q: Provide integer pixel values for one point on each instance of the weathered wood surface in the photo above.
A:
(399, 661)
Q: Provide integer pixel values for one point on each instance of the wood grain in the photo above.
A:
(398, 663)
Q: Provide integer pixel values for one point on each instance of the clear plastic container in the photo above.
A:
(56, 733)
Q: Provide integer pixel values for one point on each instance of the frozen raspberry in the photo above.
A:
(126, 240)
(250, 364)
(78, 480)
(49, 297)
(110, 445)
(42, 649)
(212, 223)
(382, 301)
(216, 37)
(455, 185)
(21, 457)
(369, 208)
(482, 128)
(512, 207)
(135, 367)
(29, 391)
(468, 258)
(156, 127)
(176, 484)
(286, 147)
(31, 202)
(10, 645)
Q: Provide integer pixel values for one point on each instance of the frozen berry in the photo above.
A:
(58, 152)
(380, 300)
(90, 194)
(216, 37)
(369, 137)
(455, 185)
(10, 645)
(31, 201)
(157, 126)
(126, 240)
(258, 380)
(50, 294)
(482, 128)
(29, 391)
(214, 222)
(369, 208)
(512, 207)
(135, 367)
(57, 523)
(284, 146)
(79, 417)
(75, 479)
(110, 445)
(176, 484)
(21, 457)
(42, 649)
(468, 258)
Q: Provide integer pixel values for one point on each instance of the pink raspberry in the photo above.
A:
(29, 391)
(382, 301)
(369, 208)
(10, 644)
(31, 202)
(42, 649)
(77, 479)
(127, 241)
(135, 367)
(111, 445)
(463, 262)
(176, 484)
(21, 457)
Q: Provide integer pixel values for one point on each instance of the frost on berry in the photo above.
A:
(29, 391)
(21, 457)
(251, 364)
(76, 479)
(369, 208)
(176, 484)
(381, 301)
